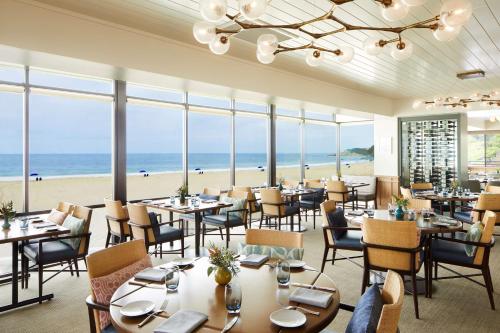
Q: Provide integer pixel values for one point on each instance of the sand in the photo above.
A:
(91, 190)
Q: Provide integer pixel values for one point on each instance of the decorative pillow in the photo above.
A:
(208, 197)
(153, 218)
(104, 286)
(237, 204)
(275, 252)
(76, 226)
(56, 216)
(337, 219)
(367, 312)
(473, 235)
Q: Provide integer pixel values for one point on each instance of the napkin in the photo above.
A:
(312, 297)
(151, 274)
(182, 322)
(254, 260)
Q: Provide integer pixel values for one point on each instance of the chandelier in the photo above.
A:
(445, 26)
(491, 99)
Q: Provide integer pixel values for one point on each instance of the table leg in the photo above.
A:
(197, 224)
(452, 208)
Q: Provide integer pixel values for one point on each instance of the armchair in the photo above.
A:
(272, 206)
(337, 191)
(311, 201)
(117, 222)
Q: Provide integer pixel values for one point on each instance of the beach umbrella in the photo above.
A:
(34, 174)
(307, 166)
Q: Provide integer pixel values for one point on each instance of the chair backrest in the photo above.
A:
(138, 214)
(494, 183)
(473, 185)
(392, 297)
(421, 186)
(291, 183)
(492, 188)
(241, 195)
(251, 196)
(489, 220)
(405, 192)
(327, 207)
(115, 210)
(487, 201)
(336, 190)
(315, 185)
(85, 214)
(269, 198)
(211, 191)
(274, 238)
(419, 204)
(309, 182)
(66, 207)
(400, 234)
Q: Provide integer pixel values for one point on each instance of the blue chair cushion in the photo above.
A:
(208, 197)
(464, 216)
(167, 234)
(367, 312)
(221, 220)
(309, 204)
(291, 210)
(337, 219)
(448, 251)
(351, 239)
(53, 251)
(109, 329)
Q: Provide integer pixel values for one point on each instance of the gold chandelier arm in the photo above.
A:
(283, 49)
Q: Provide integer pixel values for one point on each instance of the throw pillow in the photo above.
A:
(337, 219)
(473, 235)
(236, 205)
(367, 312)
(208, 197)
(103, 287)
(275, 252)
(56, 216)
(76, 226)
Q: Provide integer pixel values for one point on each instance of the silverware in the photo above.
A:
(229, 325)
(162, 308)
(303, 285)
(134, 283)
(294, 307)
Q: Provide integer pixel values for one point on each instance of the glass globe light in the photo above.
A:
(267, 43)
(456, 12)
(253, 9)
(417, 104)
(372, 46)
(265, 58)
(213, 10)
(347, 54)
(495, 93)
(450, 106)
(204, 32)
(476, 96)
(314, 58)
(414, 2)
(446, 33)
(396, 11)
(429, 106)
(493, 119)
(220, 44)
(454, 99)
(485, 104)
(439, 101)
(402, 50)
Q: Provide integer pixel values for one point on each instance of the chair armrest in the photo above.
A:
(96, 306)
(393, 248)
(142, 226)
(170, 222)
(273, 204)
(341, 228)
(456, 240)
(484, 210)
(111, 218)
(234, 211)
(46, 240)
(337, 192)
(346, 307)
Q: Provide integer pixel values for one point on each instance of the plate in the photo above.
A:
(182, 262)
(137, 308)
(288, 318)
(56, 228)
(296, 263)
(147, 201)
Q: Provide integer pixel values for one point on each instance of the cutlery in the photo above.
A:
(230, 324)
(162, 308)
(294, 307)
(146, 285)
(303, 285)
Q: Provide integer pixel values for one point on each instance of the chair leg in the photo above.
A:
(435, 270)
(314, 219)
(366, 277)
(76, 267)
(161, 251)
(227, 237)
(108, 237)
(182, 245)
(27, 272)
(40, 282)
(333, 256)
(70, 267)
(325, 255)
(203, 229)
(221, 234)
(260, 223)
(489, 285)
(414, 292)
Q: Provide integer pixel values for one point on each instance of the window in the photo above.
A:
(476, 155)
(484, 155)
(319, 116)
(154, 151)
(492, 155)
(11, 73)
(288, 149)
(356, 149)
(72, 82)
(70, 150)
(250, 107)
(209, 101)
(320, 151)
(251, 150)
(209, 151)
(287, 112)
(11, 149)
(135, 90)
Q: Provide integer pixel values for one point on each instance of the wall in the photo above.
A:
(386, 145)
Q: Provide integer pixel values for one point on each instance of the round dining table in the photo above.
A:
(261, 295)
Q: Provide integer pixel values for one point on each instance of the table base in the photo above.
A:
(26, 302)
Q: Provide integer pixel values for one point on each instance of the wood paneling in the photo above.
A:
(387, 186)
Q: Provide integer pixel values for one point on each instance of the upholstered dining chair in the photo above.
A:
(486, 201)
(311, 201)
(419, 204)
(253, 202)
(107, 270)
(308, 182)
(415, 187)
(272, 206)
(394, 245)
(117, 222)
(291, 183)
(66, 207)
(208, 193)
(452, 251)
(492, 188)
(405, 192)
(274, 238)
(145, 226)
(337, 235)
(337, 191)
(228, 218)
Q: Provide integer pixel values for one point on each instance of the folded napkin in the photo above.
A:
(182, 322)
(254, 260)
(151, 274)
(312, 297)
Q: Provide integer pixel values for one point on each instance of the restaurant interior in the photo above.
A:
(177, 166)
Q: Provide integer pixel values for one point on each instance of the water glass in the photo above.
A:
(283, 273)
(24, 223)
(196, 202)
(233, 297)
(172, 279)
(172, 200)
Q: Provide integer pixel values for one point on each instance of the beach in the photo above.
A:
(91, 190)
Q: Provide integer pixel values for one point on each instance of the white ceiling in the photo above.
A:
(430, 71)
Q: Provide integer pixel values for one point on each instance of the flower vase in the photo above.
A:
(399, 213)
(182, 199)
(280, 186)
(222, 276)
(6, 224)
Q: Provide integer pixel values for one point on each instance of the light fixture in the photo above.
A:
(445, 26)
(485, 100)
(474, 74)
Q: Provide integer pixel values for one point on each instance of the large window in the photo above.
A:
(251, 150)
(288, 149)
(484, 155)
(356, 149)
(320, 150)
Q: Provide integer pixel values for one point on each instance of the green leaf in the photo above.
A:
(210, 270)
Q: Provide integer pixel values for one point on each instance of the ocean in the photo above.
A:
(53, 165)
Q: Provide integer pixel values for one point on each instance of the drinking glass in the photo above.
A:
(24, 223)
(233, 297)
(196, 202)
(390, 207)
(172, 200)
(283, 273)
(172, 279)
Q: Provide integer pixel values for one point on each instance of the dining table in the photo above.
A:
(261, 295)
(16, 235)
(453, 199)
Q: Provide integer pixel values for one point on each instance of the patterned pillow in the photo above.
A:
(56, 216)
(473, 235)
(237, 204)
(275, 252)
(75, 226)
(104, 286)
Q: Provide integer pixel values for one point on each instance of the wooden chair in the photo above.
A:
(274, 238)
(451, 251)
(311, 182)
(419, 204)
(273, 207)
(154, 233)
(338, 192)
(311, 201)
(391, 245)
(492, 188)
(350, 241)
(66, 207)
(421, 186)
(105, 262)
(253, 202)
(117, 222)
(486, 201)
(405, 192)
(231, 218)
(208, 193)
(291, 183)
